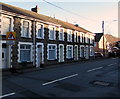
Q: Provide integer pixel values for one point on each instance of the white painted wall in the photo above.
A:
(0, 54)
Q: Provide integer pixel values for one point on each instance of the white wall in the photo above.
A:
(0, 54)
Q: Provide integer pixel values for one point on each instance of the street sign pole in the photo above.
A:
(10, 39)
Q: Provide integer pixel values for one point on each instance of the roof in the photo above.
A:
(111, 39)
(32, 14)
(98, 36)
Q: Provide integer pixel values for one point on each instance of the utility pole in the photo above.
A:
(103, 38)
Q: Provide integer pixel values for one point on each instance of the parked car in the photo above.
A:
(98, 55)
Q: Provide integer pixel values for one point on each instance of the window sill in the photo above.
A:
(25, 61)
(52, 59)
(52, 39)
(39, 38)
(69, 58)
(61, 40)
(25, 37)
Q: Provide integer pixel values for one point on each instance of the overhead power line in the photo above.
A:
(69, 11)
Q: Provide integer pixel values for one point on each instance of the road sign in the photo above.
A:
(10, 42)
(10, 36)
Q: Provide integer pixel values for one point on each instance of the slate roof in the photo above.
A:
(111, 39)
(32, 14)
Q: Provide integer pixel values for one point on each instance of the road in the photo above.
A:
(98, 78)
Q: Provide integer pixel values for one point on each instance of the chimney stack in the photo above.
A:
(36, 9)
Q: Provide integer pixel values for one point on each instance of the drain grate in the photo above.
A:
(101, 83)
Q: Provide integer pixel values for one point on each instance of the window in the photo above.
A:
(61, 34)
(69, 51)
(52, 33)
(75, 35)
(82, 38)
(6, 25)
(25, 53)
(40, 31)
(69, 36)
(87, 38)
(95, 44)
(52, 52)
(26, 28)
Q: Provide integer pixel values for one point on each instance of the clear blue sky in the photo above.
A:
(91, 13)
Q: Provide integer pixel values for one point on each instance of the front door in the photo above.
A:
(76, 53)
(87, 53)
(4, 56)
(61, 54)
(39, 55)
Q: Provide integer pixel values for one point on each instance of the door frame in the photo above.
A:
(76, 46)
(0, 55)
(41, 44)
(87, 52)
(8, 52)
(63, 52)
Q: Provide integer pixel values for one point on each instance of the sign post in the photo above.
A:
(11, 37)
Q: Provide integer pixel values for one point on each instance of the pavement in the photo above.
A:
(80, 79)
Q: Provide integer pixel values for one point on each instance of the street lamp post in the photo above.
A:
(103, 30)
(103, 38)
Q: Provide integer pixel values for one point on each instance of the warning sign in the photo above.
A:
(10, 36)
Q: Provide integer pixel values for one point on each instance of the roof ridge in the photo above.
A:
(44, 18)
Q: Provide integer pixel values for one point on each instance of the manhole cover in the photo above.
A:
(101, 83)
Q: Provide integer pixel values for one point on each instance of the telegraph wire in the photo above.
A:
(69, 11)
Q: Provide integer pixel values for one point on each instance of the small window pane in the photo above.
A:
(28, 46)
(40, 31)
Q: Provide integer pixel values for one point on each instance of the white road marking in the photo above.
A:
(59, 79)
(7, 95)
(94, 69)
(112, 64)
(113, 58)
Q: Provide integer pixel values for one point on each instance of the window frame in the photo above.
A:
(54, 32)
(25, 43)
(11, 23)
(48, 57)
(62, 34)
(67, 51)
(38, 23)
(76, 36)
(69, 34)
(29, 30)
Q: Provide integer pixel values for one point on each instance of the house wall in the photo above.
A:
(34, 41)
(0, 44)
(0, 54)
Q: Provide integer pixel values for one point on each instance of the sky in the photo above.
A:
(89, 14)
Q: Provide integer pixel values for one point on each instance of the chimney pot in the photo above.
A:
(36, 9)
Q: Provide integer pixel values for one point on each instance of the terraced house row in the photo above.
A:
(41, 40)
